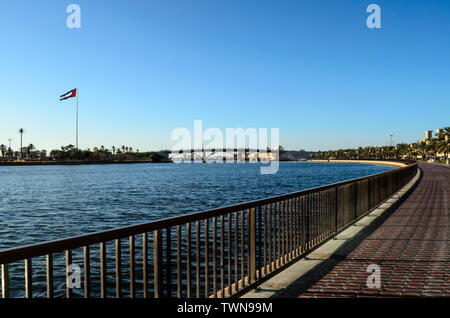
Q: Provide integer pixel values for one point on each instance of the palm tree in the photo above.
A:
(29, 149)
(443, 147)
(442, 142)
(432, 147)
(402, 150)
(21, 131)
(424, 149)
(113, 150)
(3, 150)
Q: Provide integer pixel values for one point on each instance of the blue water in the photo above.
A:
(41, 203)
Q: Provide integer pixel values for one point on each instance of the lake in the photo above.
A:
(41, 203)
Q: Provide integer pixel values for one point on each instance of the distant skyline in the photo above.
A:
(143, 68)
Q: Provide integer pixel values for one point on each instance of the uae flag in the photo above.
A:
(69, 94)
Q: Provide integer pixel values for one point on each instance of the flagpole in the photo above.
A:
(77, 121)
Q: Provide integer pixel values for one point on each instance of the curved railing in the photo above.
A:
(215, 253)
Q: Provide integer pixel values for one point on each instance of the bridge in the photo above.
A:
(234, 154)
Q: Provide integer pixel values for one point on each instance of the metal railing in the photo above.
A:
(216, 253)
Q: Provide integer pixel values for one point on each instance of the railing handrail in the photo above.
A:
(40, 249)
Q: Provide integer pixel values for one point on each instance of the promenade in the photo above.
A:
(411, 247)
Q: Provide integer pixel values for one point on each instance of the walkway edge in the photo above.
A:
(367, 162)
(304, 268)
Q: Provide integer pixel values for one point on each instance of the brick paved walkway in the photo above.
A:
(411, 247)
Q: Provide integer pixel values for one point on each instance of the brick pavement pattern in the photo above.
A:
(411, 247)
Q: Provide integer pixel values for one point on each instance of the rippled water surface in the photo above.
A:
(50, 202)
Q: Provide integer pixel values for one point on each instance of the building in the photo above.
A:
(428, 134)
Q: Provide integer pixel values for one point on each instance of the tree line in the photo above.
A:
(437, 148)
(70, 152)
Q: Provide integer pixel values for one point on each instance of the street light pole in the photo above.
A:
(21, 131)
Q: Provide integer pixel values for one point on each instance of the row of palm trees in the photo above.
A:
(25, 152)
(114, 150)
(122, 149)
(101, 153)
(11, 153)
(70, 152)
(432, 148)
(29, 153)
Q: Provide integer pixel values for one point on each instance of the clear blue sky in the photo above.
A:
(311, 68)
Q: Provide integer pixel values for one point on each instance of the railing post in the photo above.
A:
(5, 281)
(336, 189)
(49, 274)
(308, 216)
(188, 260)
(252, 244)
(197, 257)
(132, 266)
(168, 263)
(28, 278)
(356, 200)
(157, 254)
(118, 253)
(303, 225)
(145, 264)
(103, 291)
(179, 261)
(68, 264)
(87, 272)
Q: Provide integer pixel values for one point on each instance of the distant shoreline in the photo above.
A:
(71, 162)
(391, 162)
(75, 162)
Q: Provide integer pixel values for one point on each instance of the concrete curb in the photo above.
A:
(304, 272)
(368, 162)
